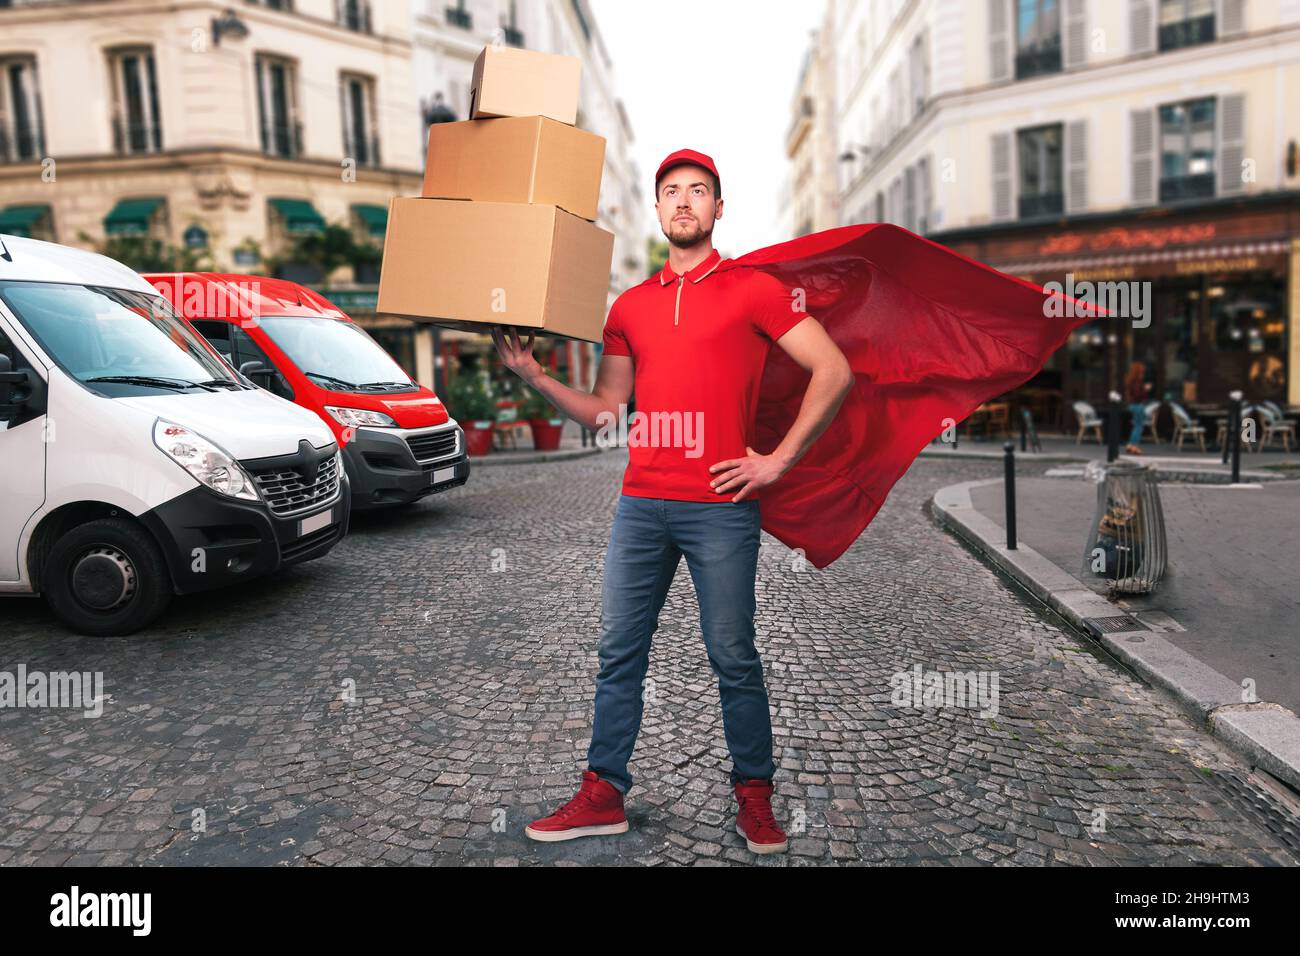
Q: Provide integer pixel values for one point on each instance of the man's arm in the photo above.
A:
(613, 385)
(816, 353)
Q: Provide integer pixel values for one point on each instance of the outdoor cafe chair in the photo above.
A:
(1184, 426)
(1276, 426)
(1089, 420)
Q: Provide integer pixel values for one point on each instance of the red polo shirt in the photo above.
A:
(698, 343)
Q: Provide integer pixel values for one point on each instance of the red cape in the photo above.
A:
(930, 335)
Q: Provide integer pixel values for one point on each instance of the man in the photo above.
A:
(691, 342)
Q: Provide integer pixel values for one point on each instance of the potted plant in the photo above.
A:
(472, 404)
(543, 418)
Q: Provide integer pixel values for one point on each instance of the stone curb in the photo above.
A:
(1265, 734)
(530, 458)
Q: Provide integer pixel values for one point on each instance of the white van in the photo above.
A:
(134, 463)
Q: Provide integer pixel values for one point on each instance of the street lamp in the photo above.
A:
(228, 24)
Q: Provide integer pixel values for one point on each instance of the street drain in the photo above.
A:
(1114, 625)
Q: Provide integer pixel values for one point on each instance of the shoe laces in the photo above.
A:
(583, 798)
(760, 808)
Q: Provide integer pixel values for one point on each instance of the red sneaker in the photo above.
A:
(755, 821)
(596, 810)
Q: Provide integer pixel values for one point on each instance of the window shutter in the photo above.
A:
(1143, 145)
(923, 196)
(1230, 19)
(1076, 166)
(999, 40)
(1074, 49)
(1231, 117)
(1002, 197)
(1141, 26)
(909, 199)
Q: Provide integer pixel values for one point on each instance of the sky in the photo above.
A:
(717, 76)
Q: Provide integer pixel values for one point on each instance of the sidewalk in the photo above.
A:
(1225, 612)
(1059, 448)
(570, 447)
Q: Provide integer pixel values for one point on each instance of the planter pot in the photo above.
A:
(478, 438)
(546, 433)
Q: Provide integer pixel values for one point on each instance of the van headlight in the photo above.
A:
(204, 460)
(357, 417)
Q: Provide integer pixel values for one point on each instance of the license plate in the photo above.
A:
(443, 474)
(315, 522)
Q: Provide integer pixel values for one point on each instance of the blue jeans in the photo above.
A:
(1139, 412)
(720, 541)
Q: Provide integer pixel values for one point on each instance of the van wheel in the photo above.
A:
(106, 578)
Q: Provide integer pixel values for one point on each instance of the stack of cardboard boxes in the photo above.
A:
(504, 232)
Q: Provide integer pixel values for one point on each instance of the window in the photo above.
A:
(1038, 37)
(1185, 23)
(1041, 189)
(22, 130)
(510, 27)
(277, 108)
(357, 99)
(238, 348)
(353, 14)
(458, 16)
(1187, 150)
(285, 5)
(137, 122)
(919, 68)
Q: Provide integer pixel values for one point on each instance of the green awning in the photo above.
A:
(130, 217)
(18, 220)
(374, 218)
(300, 217)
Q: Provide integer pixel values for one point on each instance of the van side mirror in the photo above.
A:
(14, 389)
(257, 371)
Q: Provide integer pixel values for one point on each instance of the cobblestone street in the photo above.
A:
(466, 629)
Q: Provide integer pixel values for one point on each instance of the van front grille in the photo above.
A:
(288, 489)
(434, 445)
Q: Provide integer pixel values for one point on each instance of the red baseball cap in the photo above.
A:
(681, 158)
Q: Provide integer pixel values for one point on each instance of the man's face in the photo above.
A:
(686, 205)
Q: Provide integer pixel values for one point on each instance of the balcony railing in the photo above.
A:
(457, 17)
(22, 145)
(1177, 188)
(282, 139)
(1041, 205)
(135, 136)
(1039, 59)
(1191, 32)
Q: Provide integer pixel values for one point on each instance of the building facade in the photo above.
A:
(223, 130)
(232, 136)
(812, 201)
(1132, 141)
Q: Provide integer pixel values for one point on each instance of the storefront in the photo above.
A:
(1213, 301)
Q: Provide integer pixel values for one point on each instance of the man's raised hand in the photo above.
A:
(516, 355)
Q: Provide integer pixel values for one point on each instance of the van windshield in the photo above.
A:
(116, 341)
(336, 355)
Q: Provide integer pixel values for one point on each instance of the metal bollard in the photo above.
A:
(1009, 482)
(1234, 434)
(1112, 427)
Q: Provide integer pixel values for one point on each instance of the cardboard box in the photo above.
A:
(516, 159)
(509, 81)
(471, 265)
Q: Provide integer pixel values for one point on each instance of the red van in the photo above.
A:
(399, 442)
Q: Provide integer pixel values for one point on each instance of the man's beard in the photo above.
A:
(690, 235)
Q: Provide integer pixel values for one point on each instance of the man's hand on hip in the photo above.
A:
(749, 474)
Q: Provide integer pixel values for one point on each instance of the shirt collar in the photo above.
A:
(667, 275)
